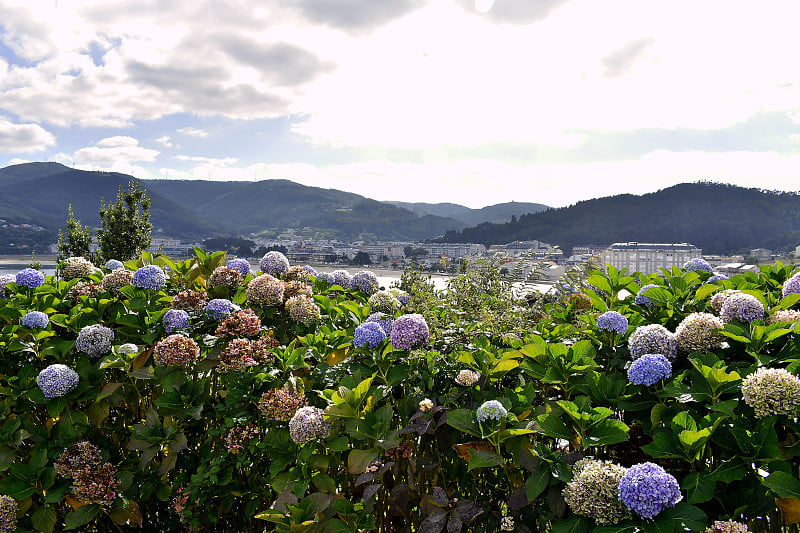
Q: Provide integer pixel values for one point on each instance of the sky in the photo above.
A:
(474, 102)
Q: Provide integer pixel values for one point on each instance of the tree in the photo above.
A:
(125, 224)
(77, 242)
(362, 258)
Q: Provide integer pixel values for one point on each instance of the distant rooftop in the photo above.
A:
(652, 245)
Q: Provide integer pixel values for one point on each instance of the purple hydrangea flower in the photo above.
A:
(652, 338)
(649, 369)
(307, 424)
(792, 285)
(113, 264)
(35, 320)
(342, 278)
(326, 277)
(641, 299)
(698, 264)
(242, 266)
(717, 277)
(28, 277)
(8, 513)
(94, 340)
(364, 281)
(648, 489)
(368, 333)
(491, 410)
(310, 269)
(274, 263)
(385, 321)
(742, 307)
(5, 279)
(57, 380)
(612, 321)
(409, 331)
(175, 319)
(218, 308)
(150, 277)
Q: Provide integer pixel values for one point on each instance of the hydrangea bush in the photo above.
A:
(464, 410)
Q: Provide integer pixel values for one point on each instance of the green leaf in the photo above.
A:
(610, 431)
(601, 283)
(705, 291)
(662, 446)
(786, 302)
(81, 516)
(484, 458)
(573, 524)
(783, 484)
(464, 420)
(359, 460)
(622, 527)
(687, 516)
(733, 469)
(699, 487)
(44, 519)
(537, 482)
(552, 426)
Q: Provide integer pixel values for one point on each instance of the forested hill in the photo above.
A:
(719, 218)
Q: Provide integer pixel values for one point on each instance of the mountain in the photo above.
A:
(28, 171)
(497, 213)
(719, 218)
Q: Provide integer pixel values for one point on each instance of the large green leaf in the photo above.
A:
(464, 420)
(610, 431)
(537, 482)
(699, 487)
(783, 484)
(572, 524)
(552, 426)
(81, 516)
(484, 458)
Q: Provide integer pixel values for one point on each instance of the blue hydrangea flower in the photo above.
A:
(175, 319)
(491, 410)
(150, 277)
(647, 489)
(791, 285)
(94, 340)
(310, 269)
(242, 266)
(743, 307)
(28, 277)
(57, 380)
(326, 277)
(364, 281)
(612, 321)
(717, 277)
(652, 338)
(368, 333)
(342, 278)
(698, 264)
(649, 369)
(274, 263)
(383, 320)
(35, 320)
(113, 264)
(218, 308)
(5, 279)
(643, 300)
(409, 331)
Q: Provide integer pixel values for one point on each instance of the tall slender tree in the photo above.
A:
(125, 224)
(77, 241)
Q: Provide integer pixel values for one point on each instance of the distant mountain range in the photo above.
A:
(39, 193)
(719, 218)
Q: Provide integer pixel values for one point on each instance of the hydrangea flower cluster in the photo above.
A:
(90, 289)
(176, 350)
(652, 338)
(280, 404)
(580, 301)
(113, 264)
(409, 331)
(150, 277)
(593, 491)
(239, 435)
(718, 300)
(190, 300)
(242, 266)
(298, 273)
(76, 267)
(699, 331)
(727, 526)
(467, 378)
(94, 340)
(57, 380)
(383, 301)
(694, 265)
(612, 321)
(647, 489)
(341, 278)
(742, 307)
(717, 277)
(116, 279)
(326, 277)
(791, 285)
(218, 308)
(295, 288)
(771, 391)
(307, 424)
(641, 299)
(303, 309)
(240, 354)
(425, 405)
(400, 295)
(5, 279)
(242, 323)
(175, 319)
(368, 334)
(649, 369)
(785, 315)
(93, 480)
(491, 409)
(264, 290)
(311, 270)
(8, 514)
(274, 263)
(35, 320)
(128, 349)
(507, 523)
(224, 277)
(365, 281)
(383, 320)
(28, 277)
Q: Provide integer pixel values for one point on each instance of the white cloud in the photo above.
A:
(118, 154)
(165, 140)
(193, 132)
(23, 138)
(118, 141)
(208, 160)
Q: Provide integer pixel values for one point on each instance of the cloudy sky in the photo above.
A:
(469, 101)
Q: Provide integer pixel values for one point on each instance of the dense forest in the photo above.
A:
(719, 218)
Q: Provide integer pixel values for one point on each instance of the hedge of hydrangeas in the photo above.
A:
(200, 396)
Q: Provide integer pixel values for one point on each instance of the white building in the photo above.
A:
(649, 257)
